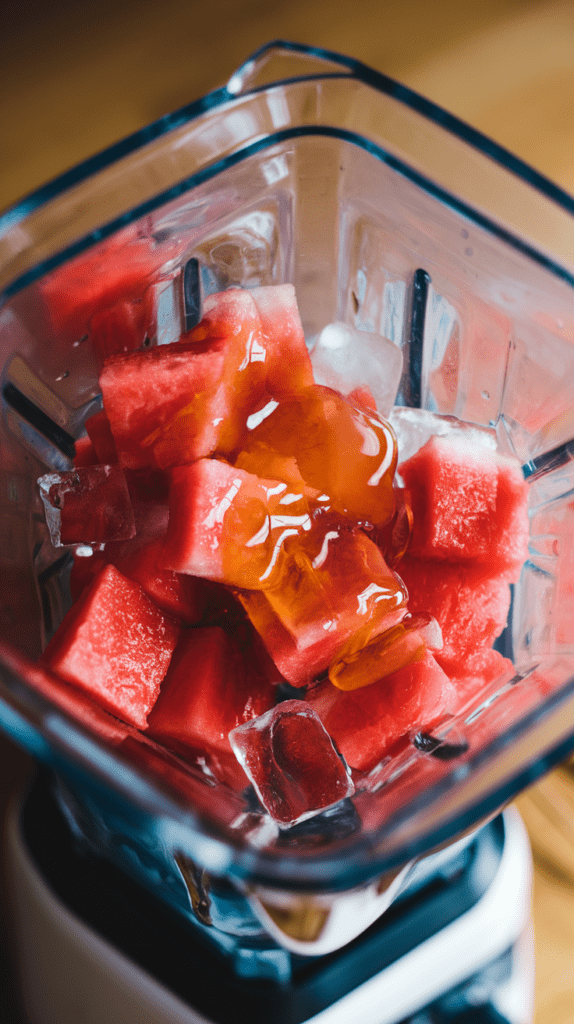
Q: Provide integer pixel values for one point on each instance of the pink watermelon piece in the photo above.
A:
(470, 605)
(480, 671)
(113, 273)
(208, 691)
(184, 597)
(123, 327)
(284, 339)
(67, 697)
(100, 434)
(366, 724)
(115, 645)
(86, 454)
(468, 502)
(181, 402)
(228, 525)
(231, 321)
(144, 391)
(335, 584)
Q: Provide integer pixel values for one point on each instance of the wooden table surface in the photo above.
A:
(77, 77)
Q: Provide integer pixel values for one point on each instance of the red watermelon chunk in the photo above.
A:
(123, 327)
(183, 597)
(284, 340)
(150, 517)
(453, 492)
(367, 723)
(470, 605)
(68, 698)
(114, 273)
(479, 672)
(86, 454)
(100, 434)
(468, 503)
(231, 321)
(115, 645)
(230, 526)
(144, 391)
(334, 584)
(208, 691)
(291, 761)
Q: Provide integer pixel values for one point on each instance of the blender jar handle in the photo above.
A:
(282, 60)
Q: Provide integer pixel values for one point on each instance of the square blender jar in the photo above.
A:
(393, 217)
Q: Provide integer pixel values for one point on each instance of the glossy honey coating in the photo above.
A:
(335, 448)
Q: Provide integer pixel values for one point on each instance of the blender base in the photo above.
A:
(478, 968)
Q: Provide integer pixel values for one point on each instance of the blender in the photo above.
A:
(409, 900)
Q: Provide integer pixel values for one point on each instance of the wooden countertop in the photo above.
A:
(76, 78)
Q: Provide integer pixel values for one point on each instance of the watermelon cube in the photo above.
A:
(115, 645)
(292, 763)
(468, 503)
(284, 340)
(100, 433)
(72, 701)
(89, 505)
(335, 585)
(230, 526)
(482, 669)
(230, 320)
(85, 453)
(184, 597)
(119, 268)
(469, 603)
(107, 283)
(146, 393)
(367, 723)
(124, 327)
(209, 690)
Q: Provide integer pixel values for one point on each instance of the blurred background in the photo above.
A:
(76, 78)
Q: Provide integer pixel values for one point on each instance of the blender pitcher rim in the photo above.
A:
(356, 71)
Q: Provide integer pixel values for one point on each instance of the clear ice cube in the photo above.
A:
(344, 358)
(89, 505)
(414, 427)
(292, 763)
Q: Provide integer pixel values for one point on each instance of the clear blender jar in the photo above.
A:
(391, 216)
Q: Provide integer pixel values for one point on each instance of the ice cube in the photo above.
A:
(292, 763)
(89, 505)
(414, 427)
(345, 359)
